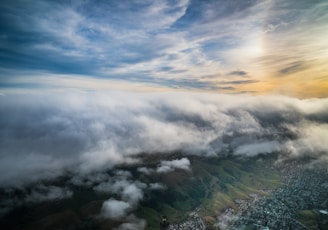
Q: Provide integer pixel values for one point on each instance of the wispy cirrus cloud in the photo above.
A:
(168, 43)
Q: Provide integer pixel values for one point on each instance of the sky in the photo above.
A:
(274, 47)
(87, 85)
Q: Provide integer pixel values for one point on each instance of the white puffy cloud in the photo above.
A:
(88, 133)
(312, 140)
(121, 184)
(132, 223)
(115, 209)
(168, 166)
(254, 149)
(133, 193)
(157, 186)
(145, 170)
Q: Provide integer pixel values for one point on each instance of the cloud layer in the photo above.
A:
(88, 135)
(169, 166)
(87, 132)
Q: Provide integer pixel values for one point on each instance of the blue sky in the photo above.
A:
(157, 45)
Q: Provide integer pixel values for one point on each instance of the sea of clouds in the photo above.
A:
(85, 134)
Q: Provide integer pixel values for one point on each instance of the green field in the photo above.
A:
(213, 185)
(313, 219)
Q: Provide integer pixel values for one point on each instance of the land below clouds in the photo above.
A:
(138, 199)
